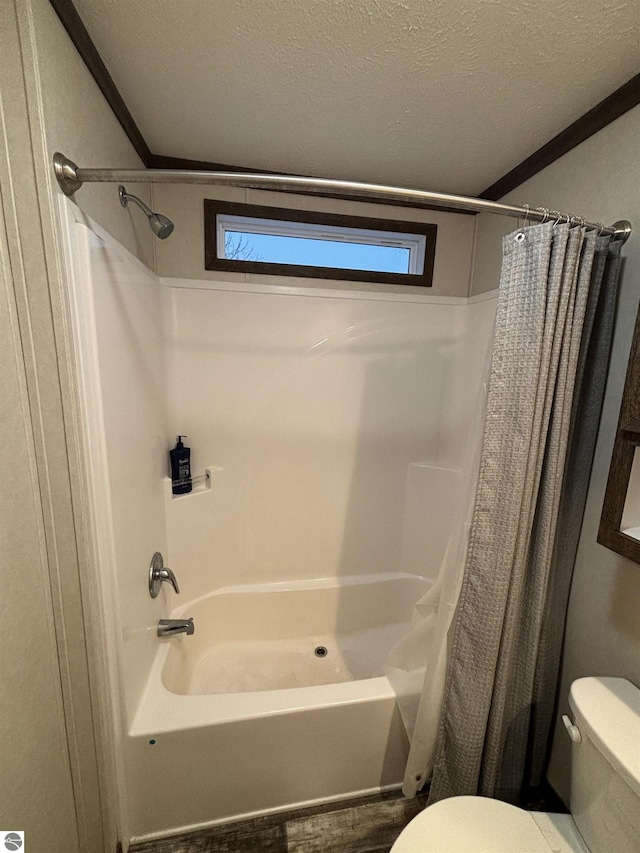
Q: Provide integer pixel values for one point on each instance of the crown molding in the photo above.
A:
(608, 110)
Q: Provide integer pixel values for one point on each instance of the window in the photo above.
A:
(278, 241)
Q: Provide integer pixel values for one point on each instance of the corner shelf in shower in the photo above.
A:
(201, 484)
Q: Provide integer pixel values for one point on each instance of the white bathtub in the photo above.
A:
(297, 728)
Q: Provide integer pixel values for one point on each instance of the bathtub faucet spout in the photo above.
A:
(169, 627)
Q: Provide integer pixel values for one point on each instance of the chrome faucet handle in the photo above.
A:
(159, 573)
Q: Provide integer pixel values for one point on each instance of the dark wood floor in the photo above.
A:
(364, 825)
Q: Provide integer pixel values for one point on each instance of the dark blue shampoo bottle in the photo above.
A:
(180, 468)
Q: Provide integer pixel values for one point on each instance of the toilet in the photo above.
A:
(605, 791)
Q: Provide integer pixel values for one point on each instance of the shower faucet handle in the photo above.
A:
(159, 573)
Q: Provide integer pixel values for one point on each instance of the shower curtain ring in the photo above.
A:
(545, 211)
(526, 215)
(558, 216)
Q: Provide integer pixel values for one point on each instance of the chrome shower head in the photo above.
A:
(161, 225)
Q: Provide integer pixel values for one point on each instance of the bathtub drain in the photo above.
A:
(321, 651)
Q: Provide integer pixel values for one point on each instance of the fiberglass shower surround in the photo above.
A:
(325, 430)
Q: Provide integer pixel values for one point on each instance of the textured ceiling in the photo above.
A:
(444, 95)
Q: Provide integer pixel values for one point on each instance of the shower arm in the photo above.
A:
(70, 178)
(126, 197)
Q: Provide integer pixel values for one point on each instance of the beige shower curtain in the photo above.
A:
(484, 727)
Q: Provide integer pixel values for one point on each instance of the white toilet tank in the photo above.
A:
(605, 764)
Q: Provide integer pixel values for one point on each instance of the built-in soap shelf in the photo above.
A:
(202, 479)
(200, 484)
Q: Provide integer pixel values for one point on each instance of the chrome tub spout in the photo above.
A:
(170, 627)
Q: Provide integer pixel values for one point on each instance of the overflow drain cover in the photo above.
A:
(320, 651)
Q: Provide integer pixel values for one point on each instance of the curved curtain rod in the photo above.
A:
(70, 178)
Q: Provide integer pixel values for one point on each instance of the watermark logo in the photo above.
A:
(13, 840)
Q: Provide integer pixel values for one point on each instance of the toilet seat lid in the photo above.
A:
(475, 824)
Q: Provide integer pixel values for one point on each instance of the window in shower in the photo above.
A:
(279, 241)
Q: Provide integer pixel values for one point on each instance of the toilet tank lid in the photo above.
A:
(608, 709)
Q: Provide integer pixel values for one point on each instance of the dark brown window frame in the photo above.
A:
(213, 207)
(627, 440)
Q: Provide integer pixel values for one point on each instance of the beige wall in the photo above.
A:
(599, 180)
(182, 255)
(77, 121)
(50, 758)
(35, 777)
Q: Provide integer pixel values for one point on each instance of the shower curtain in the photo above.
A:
(485, 727)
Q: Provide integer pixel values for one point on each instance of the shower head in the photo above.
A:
(161, 225)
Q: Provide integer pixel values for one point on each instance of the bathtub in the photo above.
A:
(277, 701)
